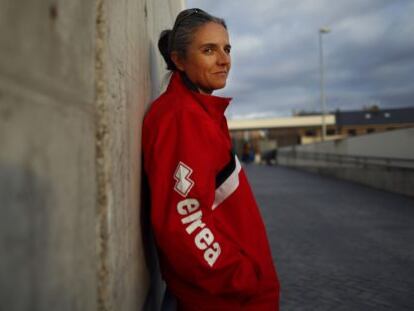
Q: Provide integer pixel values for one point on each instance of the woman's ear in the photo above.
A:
(177, 60)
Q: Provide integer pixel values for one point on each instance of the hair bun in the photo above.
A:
(163, 46)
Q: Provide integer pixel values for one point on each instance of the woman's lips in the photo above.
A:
(221, 73)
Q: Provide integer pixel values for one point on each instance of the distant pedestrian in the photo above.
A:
(247, 153)
(212, 244)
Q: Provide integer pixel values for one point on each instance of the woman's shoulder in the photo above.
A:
(171, 116)
(170, 106)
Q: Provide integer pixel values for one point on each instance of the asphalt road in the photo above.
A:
(337, 245)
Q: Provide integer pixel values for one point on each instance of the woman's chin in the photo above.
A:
(219, 85)
(214, 85)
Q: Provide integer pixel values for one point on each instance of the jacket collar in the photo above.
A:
(214, 105)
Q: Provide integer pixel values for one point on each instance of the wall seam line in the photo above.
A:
(102, 162)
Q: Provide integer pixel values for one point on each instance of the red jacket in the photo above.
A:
(213, 249)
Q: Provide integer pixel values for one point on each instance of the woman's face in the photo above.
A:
(207, 62)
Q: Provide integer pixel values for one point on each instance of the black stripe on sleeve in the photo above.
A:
(226, 171)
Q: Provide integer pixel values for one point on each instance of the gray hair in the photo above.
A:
(180, 37)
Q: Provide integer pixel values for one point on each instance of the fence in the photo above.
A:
(350, 160)
(386, 173)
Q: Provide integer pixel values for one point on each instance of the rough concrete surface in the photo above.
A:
(47, 165)
(125, 80)
(47, 206)
(75, 78)
(127, 31)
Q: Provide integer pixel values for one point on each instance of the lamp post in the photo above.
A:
(322, 31)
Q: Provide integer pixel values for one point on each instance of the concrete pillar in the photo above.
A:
(75, 78)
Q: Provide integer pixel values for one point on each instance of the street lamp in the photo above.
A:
(322, 31)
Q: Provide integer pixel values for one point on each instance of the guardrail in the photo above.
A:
(355, 160)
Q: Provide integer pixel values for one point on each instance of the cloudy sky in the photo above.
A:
(368, 55)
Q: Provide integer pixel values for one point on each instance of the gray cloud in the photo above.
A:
(369, 54)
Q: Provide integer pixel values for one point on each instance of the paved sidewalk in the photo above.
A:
(337, 245)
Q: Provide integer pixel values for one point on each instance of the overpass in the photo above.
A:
(305, 129)
(286, 122)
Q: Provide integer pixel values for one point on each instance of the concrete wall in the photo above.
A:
(397, 176)
(75, 78)
(391, 144)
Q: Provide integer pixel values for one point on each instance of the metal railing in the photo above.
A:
(354, 160)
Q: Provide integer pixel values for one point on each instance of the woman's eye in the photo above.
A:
(208, 50)
(227, 50)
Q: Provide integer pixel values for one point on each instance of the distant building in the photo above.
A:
(352, 123)
(268, 134)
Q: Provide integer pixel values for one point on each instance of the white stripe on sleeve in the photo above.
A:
(228, 186)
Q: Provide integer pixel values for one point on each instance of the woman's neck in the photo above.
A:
(192, 86)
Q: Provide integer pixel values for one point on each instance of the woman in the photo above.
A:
(212, 244)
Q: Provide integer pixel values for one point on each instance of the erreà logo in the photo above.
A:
(182, 176)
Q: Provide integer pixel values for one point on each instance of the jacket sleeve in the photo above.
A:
(194, 241)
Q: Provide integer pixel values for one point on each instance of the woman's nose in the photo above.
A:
(223, 58)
